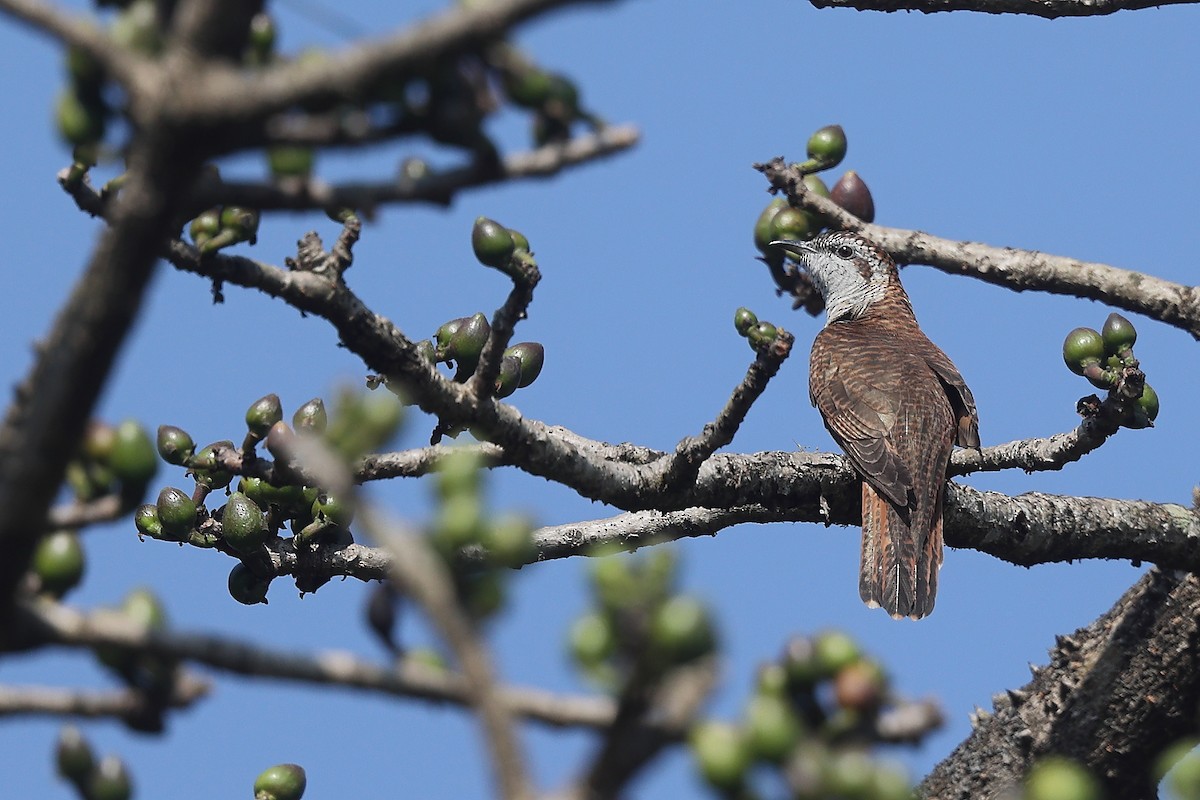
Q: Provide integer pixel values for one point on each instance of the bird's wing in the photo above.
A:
(860, 412)
(961, 399)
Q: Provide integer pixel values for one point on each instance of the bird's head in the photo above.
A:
(850, 271)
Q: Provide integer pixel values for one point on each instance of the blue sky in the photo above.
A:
(1075, 137)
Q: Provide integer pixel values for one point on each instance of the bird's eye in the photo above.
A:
(843, 251)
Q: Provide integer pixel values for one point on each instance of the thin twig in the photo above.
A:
(1047, 9)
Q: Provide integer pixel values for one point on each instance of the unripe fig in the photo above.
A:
(58, 562)
(761, 335)
(142, 606)
(329, 507)
(834, 650)
(136, 28)
(1061, 779)
(592, 640)
(459, 472)
(110, 780)
(1148, 402)
(262, 414)
(80, 122)
(206, 468)
(682, 630)
(520, 243)
(73, 755)
(311, 417)
(532, 356)
(827, 146)
(510, 376)
(133, 460)
(764, 232)
(262, 37)
(721, 753)
(1118, 334)
(99, 439)
(527, 87)
(492, 243)
(281, 782)
(176, 513)
(816, 185)
(508, 540)
(772, 728)
(145, 519)
(466, 343)
(246, 587)
(743, 320)
(243, 525)
(286, 161)
(205, 226)
(852, 194)
(1083, 346)
(175, 446)
(792, 223)
(243, 222)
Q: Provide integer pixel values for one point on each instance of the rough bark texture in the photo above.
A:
(1113, 697)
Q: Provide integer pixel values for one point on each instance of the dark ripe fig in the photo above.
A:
(1083, 346)
(532, 356)
(743, 320)
(243, 524)
(175, 446)
(492, 243)
(246, 587)
(852, 194)
(827, 146)
(1118, 334)
(764, 232)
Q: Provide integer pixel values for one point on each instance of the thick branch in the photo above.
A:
(1113, 697)
(1020, 270)
(1048, 9)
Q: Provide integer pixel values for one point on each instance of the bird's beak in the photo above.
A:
(796, 247)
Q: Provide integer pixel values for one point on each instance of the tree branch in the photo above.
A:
(1019, 270)
(1047, 9)
(1113, 697)
(122, 703)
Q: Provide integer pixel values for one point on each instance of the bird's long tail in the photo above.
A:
(900, 558)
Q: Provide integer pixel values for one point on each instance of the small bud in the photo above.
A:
(532, 356)
(743, 320)
(492, 242)
(827, 147)
(852, 194)
(262, 414)
(243, 525)
(176, 513)
(175, 446)
(1081, 348)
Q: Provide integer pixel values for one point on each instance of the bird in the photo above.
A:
(896, 405)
